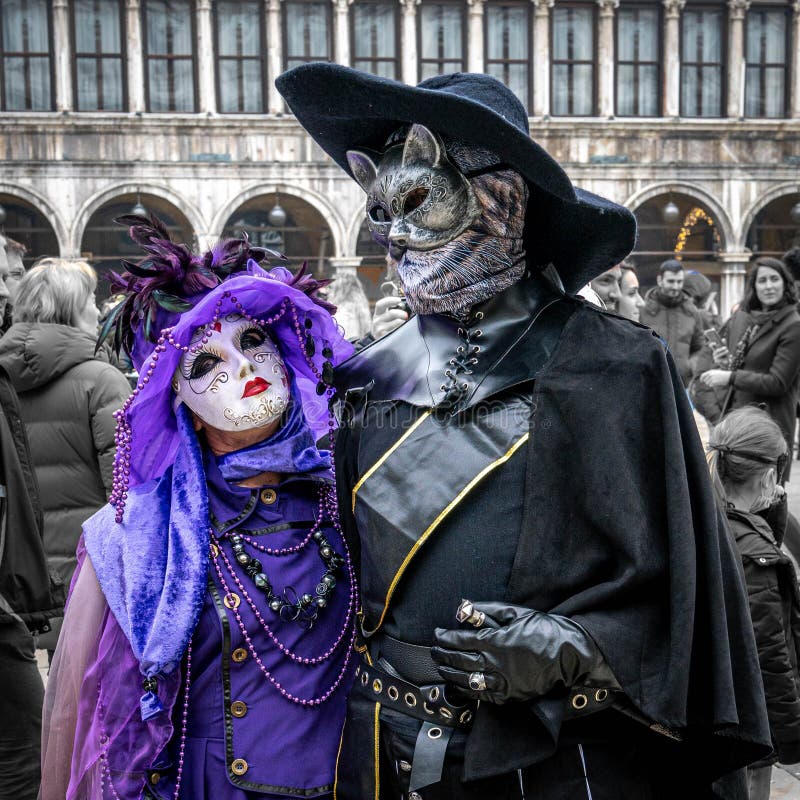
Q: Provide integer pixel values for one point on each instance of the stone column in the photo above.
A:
(135, 49)
(737, 10)
(475, 40)
(408, 42)
(207, 92)
(794, 97)
(540, 48)
(672, 57)
(731, 281)
(605, 57)
(341, 266)
(341, 31)
(62, 42)
(274, 54)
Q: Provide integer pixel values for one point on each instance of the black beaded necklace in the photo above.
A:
(291, 606)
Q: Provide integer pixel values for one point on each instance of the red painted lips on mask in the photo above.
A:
(256, 386)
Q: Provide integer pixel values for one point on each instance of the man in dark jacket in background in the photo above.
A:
(669, 311)
(28, 598)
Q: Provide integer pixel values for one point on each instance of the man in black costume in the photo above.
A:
(551, 606)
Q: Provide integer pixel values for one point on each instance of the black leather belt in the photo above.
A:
(412, 661)
(428, 702)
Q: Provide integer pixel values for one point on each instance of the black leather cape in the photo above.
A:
(620, 529)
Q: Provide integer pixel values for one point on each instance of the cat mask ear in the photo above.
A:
(363, 168)
(422, 146)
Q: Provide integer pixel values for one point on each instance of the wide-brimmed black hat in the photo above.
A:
(344, 109)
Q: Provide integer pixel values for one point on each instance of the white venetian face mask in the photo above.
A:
(237, 380)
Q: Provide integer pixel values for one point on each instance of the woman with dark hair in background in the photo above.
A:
(760, 358)
(68, 396)
(746, 455)
(630, 301)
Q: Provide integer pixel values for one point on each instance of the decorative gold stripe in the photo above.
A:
(336, 770)
(379, 463)
(432, 527)
(377, 751)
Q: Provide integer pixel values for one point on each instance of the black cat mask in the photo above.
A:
(417, 199)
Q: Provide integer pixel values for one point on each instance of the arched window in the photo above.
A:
(773, 231)
(27, 225)
(105, 243)
(295, 229)
(676, 226)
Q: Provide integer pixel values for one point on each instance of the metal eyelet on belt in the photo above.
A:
(427, 708)
(580, 701)
(433, 694)
(410, 699)
(358, 671)
(465, 717)
(446, 713)
(434, 733)
(377, 686)
(601, 695)
(364, 678)
(393, 693)
(479, 315)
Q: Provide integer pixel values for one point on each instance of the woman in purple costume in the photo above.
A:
(206, 649)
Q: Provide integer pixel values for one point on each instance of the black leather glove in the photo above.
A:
(523, 654)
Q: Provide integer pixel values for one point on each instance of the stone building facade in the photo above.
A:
(687, 112)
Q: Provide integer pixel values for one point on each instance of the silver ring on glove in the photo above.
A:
(468, 613)
(477, 681)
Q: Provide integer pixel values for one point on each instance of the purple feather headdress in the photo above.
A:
(170, 279)
(170, 294)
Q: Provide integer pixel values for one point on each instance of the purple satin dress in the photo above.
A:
(244, 737)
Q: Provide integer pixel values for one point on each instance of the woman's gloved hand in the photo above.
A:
(521, 654)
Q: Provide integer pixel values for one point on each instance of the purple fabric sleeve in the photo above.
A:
(91, 704)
